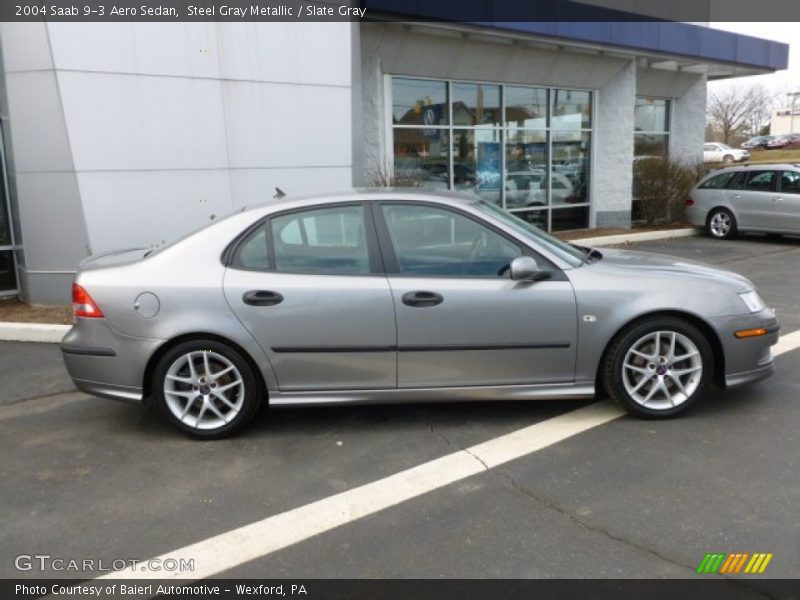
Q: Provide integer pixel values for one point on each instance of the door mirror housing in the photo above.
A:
(524, 268)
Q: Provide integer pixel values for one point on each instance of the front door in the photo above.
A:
(309, 287)
(461, 321)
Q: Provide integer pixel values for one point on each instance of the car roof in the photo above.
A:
(360, 194)
(757, 167)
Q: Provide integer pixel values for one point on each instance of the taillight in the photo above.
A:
(689, 202)
(83, 305)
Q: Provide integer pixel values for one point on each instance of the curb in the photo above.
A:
(44, 332)
(32, 332)
(645, 236)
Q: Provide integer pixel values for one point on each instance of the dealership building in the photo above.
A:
(123, 135)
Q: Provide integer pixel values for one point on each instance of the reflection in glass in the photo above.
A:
(477, 162)
(651, 114)
(526, 168)
(572, 109)
(8, 279)
(419, 102)
(650, 146)
(534, 217)
(421, 158)
(569, 168)
(476, 104)
(5, 221)
(576, 217)
(526, 107)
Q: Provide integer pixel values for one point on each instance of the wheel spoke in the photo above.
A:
(225, 388)
(671, 353)
(683, 357)
(186, 394)
(206, 368)
(642, 381)
(215, 410)
(641, 370)
(686, 371)
(180, 379)
(222, 397)
(219, 374)
(201, 413)
(189, 405)
(192, 370)
(676, 380)
(642, 354)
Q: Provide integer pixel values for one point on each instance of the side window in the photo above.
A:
(321, 241)
(761, 181)
(253, 251)
(718, 182)
(436, 242)
(790, 182)
(709, 148)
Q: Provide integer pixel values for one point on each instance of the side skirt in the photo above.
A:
(560, 391)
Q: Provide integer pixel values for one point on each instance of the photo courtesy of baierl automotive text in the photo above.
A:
(390, 299)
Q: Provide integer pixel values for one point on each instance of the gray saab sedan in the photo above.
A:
(403, 296)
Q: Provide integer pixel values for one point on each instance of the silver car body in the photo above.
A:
(774, 207)
(350, 339)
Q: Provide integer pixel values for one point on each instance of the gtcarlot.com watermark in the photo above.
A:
(47, 562)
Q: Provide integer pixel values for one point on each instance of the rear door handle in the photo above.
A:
(777, 199)
(262, 298)
(422, 299)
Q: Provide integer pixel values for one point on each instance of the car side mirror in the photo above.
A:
(524, 268)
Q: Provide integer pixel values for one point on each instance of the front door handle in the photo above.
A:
(262, 298)
(422, 299)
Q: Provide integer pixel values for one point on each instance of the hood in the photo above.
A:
(645, 264)
(112, 259)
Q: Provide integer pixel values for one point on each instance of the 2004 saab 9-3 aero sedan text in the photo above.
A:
(403, 296)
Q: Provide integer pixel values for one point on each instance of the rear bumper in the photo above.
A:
(104, 363)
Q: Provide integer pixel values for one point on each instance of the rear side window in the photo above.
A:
(253, 251)
(718, 182)
(322, 241)
(761, 181)
(790, 182)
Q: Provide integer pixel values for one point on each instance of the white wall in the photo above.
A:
(167, 124)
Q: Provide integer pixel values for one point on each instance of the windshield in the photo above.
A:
(725, 146)
(572, 255)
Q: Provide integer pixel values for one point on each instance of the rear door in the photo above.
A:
(461, 321)
(309, 286)
(752, 197)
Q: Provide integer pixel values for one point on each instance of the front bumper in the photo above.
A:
(104, 363)
(750, 359)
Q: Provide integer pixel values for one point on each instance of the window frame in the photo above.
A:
(780, 182)
(754, 173)
(375, 258)
(392, 264)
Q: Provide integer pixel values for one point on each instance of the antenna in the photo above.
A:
(279, 193)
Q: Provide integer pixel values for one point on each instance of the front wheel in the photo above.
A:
(658, 368)
(728, 159)
(206, 388)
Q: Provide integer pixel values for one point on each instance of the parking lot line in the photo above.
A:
(227, 550)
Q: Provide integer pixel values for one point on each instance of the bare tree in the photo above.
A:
(738, 112)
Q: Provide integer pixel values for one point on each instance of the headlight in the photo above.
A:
(752, 301)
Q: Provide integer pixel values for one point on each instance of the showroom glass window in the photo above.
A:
(651, 122)
(524, 148)
(8, 275)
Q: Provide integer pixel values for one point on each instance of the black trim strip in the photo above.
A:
(421, 348)
(87, 350)
(457, 347)
(316, 349)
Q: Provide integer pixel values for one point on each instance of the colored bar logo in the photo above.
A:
(734, 563)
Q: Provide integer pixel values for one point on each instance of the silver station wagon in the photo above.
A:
(403, 296)
(762, 198)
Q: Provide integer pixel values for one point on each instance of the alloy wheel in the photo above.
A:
(662, 369)
(720, 224)
(204, 390)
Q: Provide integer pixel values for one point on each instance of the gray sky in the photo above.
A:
(788, 33)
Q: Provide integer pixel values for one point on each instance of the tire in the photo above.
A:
(721, 224)
(656, 392)
(727, 159)
(205, 407)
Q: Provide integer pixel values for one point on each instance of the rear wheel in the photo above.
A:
(206, 389)
(658, 368)
(721, 224)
